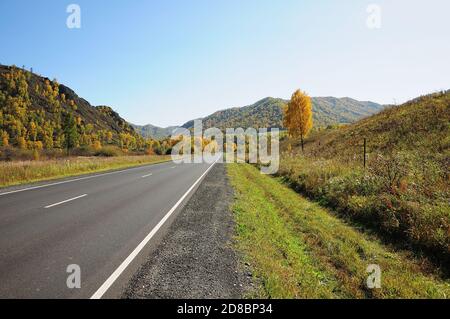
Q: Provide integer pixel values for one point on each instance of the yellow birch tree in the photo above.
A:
(298, 116)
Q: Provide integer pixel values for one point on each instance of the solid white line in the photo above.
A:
(147, 175)
(110, 281)
(76, 179)
(65, 201)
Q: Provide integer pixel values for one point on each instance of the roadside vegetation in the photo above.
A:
(298, 249)
(20, 172)
(403, 193)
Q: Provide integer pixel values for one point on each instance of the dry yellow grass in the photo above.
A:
(20, 172)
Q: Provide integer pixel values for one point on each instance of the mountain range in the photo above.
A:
(268, 113)
(155, 132)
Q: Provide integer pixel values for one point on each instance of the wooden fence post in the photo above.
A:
(365, 151)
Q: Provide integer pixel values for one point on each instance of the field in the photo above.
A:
(20, 172)
(298, 249)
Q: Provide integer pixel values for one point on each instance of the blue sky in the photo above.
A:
(166, 62)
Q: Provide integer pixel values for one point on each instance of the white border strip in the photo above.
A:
(110, 281)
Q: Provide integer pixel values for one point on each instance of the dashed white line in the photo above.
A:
(147, 175)
(110, 281)
(65, 201)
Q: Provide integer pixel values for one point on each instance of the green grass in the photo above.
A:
(22, 172)
(297, 249)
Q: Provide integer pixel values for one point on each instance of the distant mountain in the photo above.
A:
(155, 132)
(331, 110)
(268, 113)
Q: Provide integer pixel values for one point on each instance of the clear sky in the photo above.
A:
(166, 62)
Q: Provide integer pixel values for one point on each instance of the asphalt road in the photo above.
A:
(96, 222)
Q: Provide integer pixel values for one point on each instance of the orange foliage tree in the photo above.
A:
(298, 116)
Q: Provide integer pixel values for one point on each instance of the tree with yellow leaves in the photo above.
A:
(33, 131)
(298, 116)
(5, 138)
(109, 137)
(22, 143)
(97, 145)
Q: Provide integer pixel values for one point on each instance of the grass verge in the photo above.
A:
(414, 214)
(297, 249)
(22, 172)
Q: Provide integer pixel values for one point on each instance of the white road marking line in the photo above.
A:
(66, 201)
(173, 167)
(147, 175)
(110, 281)
(75, 180)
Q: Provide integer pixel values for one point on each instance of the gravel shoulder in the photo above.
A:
(196, 258)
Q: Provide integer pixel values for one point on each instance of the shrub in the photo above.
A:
(109, 151)
(10, 153)
(36, 155)
(97, 145)
(83, 151)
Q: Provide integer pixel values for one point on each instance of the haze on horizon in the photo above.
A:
(167, 62)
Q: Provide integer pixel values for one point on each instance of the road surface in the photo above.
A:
(99, 223)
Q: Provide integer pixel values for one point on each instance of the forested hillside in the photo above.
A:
(39, 113)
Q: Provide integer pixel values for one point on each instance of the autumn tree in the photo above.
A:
(5, 138)
(48, 135)
(70, 132)
(298, 116)
(33, 131)
(21, 142)
(109, 137)
(97, 145)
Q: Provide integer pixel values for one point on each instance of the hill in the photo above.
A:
(34, 109)
(403, 192)
(420, 125)
(155, 132)
(268, 113)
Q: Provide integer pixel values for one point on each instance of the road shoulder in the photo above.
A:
(196, 258)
